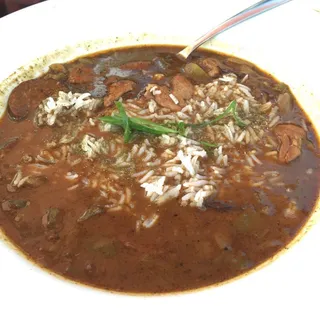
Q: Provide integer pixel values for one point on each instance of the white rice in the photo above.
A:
(181, 171)
(146, 176)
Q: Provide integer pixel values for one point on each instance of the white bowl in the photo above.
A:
(282, 41)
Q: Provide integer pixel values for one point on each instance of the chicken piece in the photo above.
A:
(117, 89)
(161, 94)
(136, 65)
(290, 137)
(81, 74)
(210, 65)
(182, 88)
(141, 101)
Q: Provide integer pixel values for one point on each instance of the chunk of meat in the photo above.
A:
(292, 130)
(81, 74)
(117, 89)
(142, 101)
(29, 94)
(136, 65)
(161, 94)
(290, 137)
(210, 65)
(182, 88)
(110, 80)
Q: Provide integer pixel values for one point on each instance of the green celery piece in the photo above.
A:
(196, 73)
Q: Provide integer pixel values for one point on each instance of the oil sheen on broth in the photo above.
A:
(132, 171)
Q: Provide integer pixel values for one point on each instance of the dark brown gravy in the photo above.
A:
(184, 249)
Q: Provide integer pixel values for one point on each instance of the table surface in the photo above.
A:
(16, 5)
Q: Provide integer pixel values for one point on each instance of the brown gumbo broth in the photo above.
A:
(169, 212)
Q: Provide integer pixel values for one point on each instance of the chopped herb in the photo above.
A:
(237, 119)
(232, 109)
(181, 128)
(125, 119)
(208, 144)
(130, 124)
(148, 126)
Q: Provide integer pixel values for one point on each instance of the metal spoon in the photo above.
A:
(245, 14)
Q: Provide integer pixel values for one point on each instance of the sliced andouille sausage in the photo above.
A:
(29, 94)
(290, 137)
(117, 89)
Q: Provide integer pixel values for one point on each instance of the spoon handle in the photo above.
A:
(245, 14)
